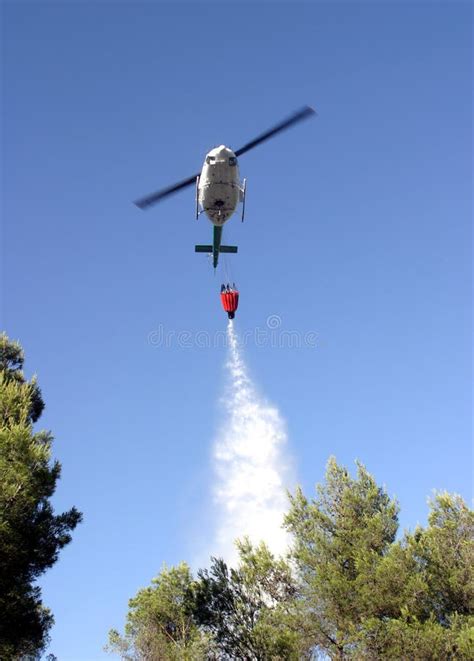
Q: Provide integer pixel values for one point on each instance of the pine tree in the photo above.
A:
(248, 609)
(340, 538)
(364, 595)
(160, 622)
(350, 589)
(31, 534)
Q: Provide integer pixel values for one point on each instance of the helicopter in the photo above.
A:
(218, 186)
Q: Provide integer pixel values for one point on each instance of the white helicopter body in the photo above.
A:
(218, 187)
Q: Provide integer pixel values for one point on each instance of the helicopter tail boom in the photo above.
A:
(216, 248)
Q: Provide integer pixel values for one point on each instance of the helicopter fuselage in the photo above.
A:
(218, 186)
(219, 189)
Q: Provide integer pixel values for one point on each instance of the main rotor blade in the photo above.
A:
(306, 111)
(145, 202)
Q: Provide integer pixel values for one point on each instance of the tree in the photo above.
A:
(160, 622)
(365, 595)
(247, 609)
(435, 576)
(444, 553)
(350, 589)
(223, 614)
(31, 535)
(339, 539)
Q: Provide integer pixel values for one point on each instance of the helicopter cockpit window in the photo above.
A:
(210, 160)
(232, 160)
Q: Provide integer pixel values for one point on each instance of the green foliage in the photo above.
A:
(243, 608)
(349, 590)
(445, 555)
(160, 622)
(11, 367)
(31, 535)
(406, 637)
(340, 538)
(223, 614)
(432, 617)
(368, 596)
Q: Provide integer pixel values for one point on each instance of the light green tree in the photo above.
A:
(365, 595)
(160, 622)
(224, 613)
(430, 578)
(350, 589)
(339, 540)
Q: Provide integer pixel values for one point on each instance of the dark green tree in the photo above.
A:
(31, 535)
(248, 609)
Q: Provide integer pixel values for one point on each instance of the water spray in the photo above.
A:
(250, 462)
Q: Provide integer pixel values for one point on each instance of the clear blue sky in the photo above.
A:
(357, 228)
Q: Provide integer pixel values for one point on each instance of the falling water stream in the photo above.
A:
(250, 463)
